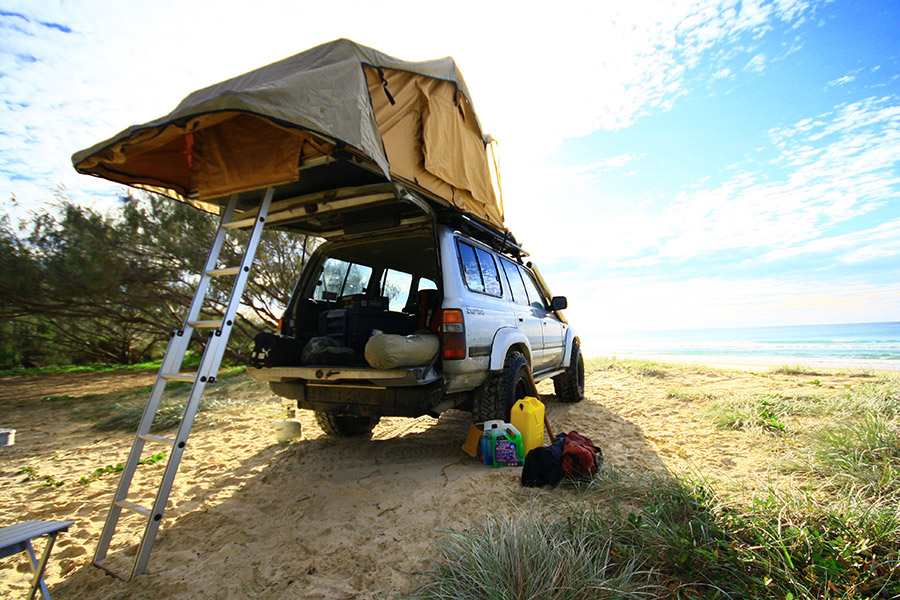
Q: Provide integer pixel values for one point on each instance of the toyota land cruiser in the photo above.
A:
(443, 273)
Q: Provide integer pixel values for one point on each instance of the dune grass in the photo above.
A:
(191, 360)
(123, 410)
(641, 368)
(794, 370)
(642, 536)
(835, 533)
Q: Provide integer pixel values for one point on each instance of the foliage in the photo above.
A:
(833, 532)
(752, 411)
(644, 536)
(81, 287)
(794, 370)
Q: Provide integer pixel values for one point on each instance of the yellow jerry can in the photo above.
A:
(527, 416)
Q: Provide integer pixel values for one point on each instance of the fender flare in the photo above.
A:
(506, 338)
(570, 337)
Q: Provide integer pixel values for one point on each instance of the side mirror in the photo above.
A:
(559, 303)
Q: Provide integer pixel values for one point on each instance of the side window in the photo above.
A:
(489, 273)
(479, 270)
(340, 278)
(357, 280)
(534, 296)
(330, 279)
(516, 286)
(395, 285)
(470, 267)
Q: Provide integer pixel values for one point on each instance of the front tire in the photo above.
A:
(569, 386)
(499, 393)
(345, 425)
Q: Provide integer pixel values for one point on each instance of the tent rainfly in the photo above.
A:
(412, 121)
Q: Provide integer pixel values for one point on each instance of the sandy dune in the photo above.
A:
(322, 517)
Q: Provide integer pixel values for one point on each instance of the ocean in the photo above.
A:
(876, 345)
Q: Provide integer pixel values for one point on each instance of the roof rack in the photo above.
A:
(502, 241)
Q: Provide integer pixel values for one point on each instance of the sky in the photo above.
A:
(668, 165)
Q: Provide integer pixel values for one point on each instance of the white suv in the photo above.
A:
(441, 271)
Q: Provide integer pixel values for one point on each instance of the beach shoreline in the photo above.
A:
(757, 361)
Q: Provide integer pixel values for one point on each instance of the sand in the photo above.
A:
(325, 517)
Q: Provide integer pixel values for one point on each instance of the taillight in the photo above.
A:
(280, 322)
(453, 334)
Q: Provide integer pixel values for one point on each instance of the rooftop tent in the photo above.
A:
(406, 121)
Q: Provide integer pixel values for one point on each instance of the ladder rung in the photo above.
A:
(205, 324)
(149, 437)
(240, 223)
(133, 507)
(189, 377)
(223, 272)
(117, 575)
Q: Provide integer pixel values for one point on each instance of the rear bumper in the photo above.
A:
(362, 400)
(410, 392)
(415, 376)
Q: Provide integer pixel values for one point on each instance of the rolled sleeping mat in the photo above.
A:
(390, 351)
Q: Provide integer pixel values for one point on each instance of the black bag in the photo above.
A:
(271, 350)
(570, 455)
(543, 466)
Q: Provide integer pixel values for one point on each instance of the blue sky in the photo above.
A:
(669, 165)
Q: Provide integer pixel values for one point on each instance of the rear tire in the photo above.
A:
(496, 397)
(569, 386)
(345, 425)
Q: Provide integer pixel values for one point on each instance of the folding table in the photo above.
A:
(17, 538)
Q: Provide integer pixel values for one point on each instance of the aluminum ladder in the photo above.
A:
(170, 370)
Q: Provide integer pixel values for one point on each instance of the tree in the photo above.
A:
(110, 288)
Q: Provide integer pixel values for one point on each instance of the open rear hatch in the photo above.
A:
(374, 281)
(337, 212)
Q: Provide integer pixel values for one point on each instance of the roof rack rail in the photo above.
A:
(502, 241)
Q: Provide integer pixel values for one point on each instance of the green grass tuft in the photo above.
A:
(795, 370)
(645, 536)
(855, 454)
(764, 412)
(690, 395)
(191, 360)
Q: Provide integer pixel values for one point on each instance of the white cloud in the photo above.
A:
(723, 73)
(838, 166)
(840, 81)
(648, 304)
(827, 170)
(881, 241)
(592, 170)
(567, 71)
(757, 64)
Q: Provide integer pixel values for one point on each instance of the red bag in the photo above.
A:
(581, 458)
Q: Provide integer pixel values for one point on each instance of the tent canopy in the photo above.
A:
(411, 121)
